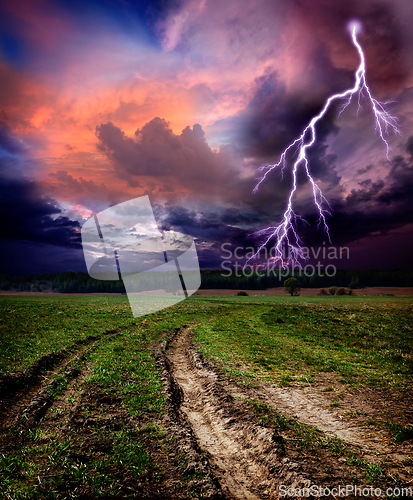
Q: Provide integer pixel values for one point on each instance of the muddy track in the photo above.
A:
(79, 409)
(314, 408)
(243, 456)
(26, 395)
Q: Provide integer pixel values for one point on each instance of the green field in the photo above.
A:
(362, 341)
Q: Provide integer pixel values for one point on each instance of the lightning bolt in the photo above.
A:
(285, 233)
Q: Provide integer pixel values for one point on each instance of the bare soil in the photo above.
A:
(29, 400)
(276, 292)
(242, 455)
(248, 457)
(231, 453)
(309, 292)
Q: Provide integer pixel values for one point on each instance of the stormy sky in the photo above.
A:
(183, 101)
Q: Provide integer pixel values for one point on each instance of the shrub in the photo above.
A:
(323, 292)
(341, 291)
(242, 294)
(332, 290)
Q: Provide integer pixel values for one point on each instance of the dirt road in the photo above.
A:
(245, 455)
(231, 441)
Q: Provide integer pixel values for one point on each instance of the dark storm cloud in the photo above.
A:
(206, 225)
(386, 25)
(274, 118)
(409, 147)
(35, 238)
(210, 230)
(70, 182)
(34, 235)
(364, 170)
(32, 217)
(157, 152)
(377, 207)
(276, 115)
(323, 165)
(94, 196)
(22, 257)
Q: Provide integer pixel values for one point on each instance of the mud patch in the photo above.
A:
(238, 428)
(197, 465)
(85, 443)
(359, 417)
(243, 456)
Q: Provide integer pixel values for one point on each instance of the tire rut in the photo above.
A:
(311, 409)
(26, 395)
(243, 456)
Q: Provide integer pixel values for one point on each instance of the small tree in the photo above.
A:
(292, 286)
(332, 290)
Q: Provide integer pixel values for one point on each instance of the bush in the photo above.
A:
(341, 291)
(242, 294)
(323, 292)
(332, 290)
(350, 292)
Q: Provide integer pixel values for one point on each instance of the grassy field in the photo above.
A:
(365, 340)
(115, 436)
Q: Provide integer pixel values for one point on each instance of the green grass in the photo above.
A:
(365, 340)
(123, 371)
(31, 327)
(308, 439)
(285, 340)
(56, 460)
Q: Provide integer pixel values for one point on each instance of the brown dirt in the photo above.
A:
(309, 292)
(27, 393)
(30, 401)
(347, 421)
(230, 453)
(248, 457)
(242, 455)
(276, 292)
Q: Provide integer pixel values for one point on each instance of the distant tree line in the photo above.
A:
(71, 282)
(342, 278)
